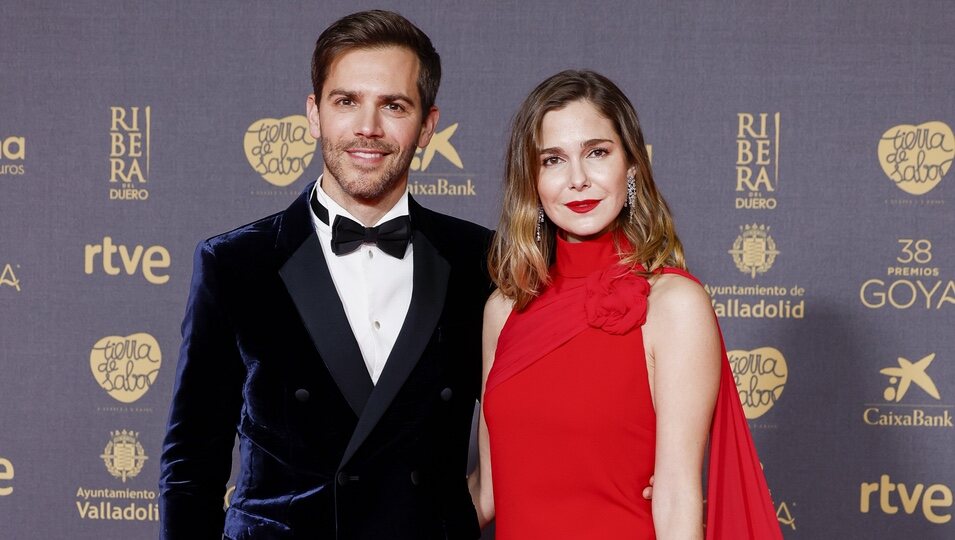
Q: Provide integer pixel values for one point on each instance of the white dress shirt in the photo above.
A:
(374, 287)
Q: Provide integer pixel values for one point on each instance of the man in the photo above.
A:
(345, 357)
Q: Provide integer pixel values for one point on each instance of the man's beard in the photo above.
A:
(367, 186)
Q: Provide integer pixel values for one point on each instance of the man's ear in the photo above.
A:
(311, 113)
(428, 125)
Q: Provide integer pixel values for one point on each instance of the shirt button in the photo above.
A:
(302, 395)
(377, 325)
(371, 254)
(446, 394)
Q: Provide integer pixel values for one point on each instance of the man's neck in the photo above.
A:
(366, 211)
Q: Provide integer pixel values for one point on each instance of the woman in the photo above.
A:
(603, 362)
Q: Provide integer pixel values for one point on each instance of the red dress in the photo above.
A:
(571, 425)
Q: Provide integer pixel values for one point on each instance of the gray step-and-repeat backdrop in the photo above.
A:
(805, 148)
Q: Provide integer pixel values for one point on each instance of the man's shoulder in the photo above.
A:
(246, 236)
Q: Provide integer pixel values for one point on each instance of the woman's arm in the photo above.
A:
(496, 312)
(683, 348)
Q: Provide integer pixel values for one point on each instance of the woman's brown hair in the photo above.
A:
(517, 261)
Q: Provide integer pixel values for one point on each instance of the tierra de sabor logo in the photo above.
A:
(129, 153)
(8, 278)
(760, 375)
(6, 477)
(905, 378)
(934, 501)
(279, 149)
(149, 261)
(911, 280)
(12, 154)
(757, 160)
(126, 367)
(447, 183)
(916, 158)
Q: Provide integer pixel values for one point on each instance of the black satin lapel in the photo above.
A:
(308, 282)
(430, 280)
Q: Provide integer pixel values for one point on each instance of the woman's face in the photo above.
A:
(583, 171)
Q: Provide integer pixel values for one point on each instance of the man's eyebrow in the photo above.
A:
(391, 98)
(342, 92)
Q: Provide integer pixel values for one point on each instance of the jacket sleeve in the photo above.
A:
(196, 457)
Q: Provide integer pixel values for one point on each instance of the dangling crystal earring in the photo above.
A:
(540, 222)
(631, 193)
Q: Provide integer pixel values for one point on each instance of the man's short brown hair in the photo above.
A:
(376, 29)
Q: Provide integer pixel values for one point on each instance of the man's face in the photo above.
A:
(369, 121)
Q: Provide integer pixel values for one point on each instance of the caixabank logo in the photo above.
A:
(911, 397)
(130, 130)
(12, 155)
(916, 157)
(448, 178)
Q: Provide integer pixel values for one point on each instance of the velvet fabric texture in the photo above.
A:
(268, 356)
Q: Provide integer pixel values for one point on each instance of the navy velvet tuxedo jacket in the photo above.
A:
(267, 353)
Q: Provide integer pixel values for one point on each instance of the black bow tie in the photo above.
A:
(392, 236)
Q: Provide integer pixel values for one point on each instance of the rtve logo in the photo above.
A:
(6, 474)
(933, 498)
(148, 260)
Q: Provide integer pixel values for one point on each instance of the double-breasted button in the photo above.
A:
(446, 394)
(416, 478)
(302, 395)
(344, 478)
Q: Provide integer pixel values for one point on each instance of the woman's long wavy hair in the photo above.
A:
(518, 263)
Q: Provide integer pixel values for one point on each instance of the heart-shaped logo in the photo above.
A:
(126, 367)
(760, 376)
(917, 157)
(279, 149)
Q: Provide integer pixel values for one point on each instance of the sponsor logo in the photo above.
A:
(6, 475)
(12, 149)
(117, 504)
(8, 277)
(754, 250)
(149, 260)
(934, 500)
(129, 153)
(760, 376)
(279, 149)
(916, 158)
(451, 182)
(123, 455)
(126, 367)
(757, 160)
(910, 281)
(903, 377)
(754, 253)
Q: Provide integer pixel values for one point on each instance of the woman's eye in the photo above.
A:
(552, 160)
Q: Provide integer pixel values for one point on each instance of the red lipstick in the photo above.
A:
(582, 207)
